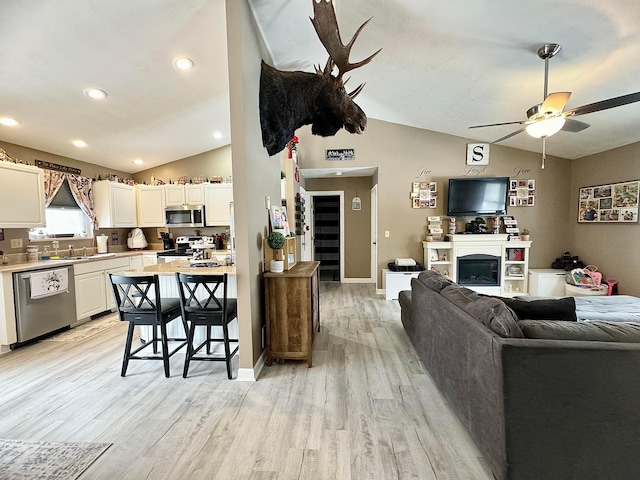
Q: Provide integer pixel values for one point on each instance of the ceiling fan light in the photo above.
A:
(545, 128)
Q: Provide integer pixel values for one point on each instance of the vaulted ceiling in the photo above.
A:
(444, 66)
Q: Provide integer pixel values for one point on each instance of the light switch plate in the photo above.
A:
(267, 202)
(16, 243)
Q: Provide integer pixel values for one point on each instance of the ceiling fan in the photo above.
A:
(549, 117)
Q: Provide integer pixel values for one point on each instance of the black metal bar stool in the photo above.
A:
(139, 303)
(203, 303)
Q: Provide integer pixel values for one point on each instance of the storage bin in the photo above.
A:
(574, 291)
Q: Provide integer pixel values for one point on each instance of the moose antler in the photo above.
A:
(326, 25)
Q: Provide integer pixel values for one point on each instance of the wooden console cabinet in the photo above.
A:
(292, 301)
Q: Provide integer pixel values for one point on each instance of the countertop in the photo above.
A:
(40, 264)
(181, 266)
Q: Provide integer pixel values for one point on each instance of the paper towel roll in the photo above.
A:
(405, 262)
(102, 243)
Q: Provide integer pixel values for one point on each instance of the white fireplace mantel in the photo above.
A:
(514, 259)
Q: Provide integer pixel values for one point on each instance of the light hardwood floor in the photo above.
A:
(366, 410)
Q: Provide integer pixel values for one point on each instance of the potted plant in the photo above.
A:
(429, 237)
(524, 234)
(275, 240)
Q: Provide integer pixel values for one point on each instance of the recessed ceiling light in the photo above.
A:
(183, 63)
(9, 122)
(95, 93)
(217, 135)
(138, 161)
(80, 143)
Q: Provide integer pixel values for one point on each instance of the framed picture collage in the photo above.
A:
(616, 202)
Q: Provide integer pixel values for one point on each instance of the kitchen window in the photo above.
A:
(64, 218)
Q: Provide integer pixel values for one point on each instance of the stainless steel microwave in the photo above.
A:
(184, 216)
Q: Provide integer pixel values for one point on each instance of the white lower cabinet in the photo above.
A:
(94, 293)
(394, 282)
(90, 298)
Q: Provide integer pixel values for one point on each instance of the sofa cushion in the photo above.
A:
(489, 311)
(546, 309)
(434, 280)
(592, 331)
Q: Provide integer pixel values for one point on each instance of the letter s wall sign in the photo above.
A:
(477, 154)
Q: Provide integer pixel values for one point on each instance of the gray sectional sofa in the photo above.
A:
(561, 405)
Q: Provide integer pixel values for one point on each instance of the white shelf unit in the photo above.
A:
(491, 244)
(443, 251)
(515, 284)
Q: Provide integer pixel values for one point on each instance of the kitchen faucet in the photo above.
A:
(71, 252)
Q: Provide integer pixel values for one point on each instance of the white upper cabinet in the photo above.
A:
(184, 194)
(218, 196)
(21, 196)
(194, 194)
(115, 204)
(151, 203)
(174, 194)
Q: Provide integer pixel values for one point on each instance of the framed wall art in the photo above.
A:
(424, 194)
(522, 193)
(613, 203)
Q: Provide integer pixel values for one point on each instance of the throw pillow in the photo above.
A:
(489, 311)
(434, 280)
(548, 309)
(600, 331)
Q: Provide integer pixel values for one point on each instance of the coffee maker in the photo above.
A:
(167, 241)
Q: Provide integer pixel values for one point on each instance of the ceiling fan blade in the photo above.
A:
(605, 104)
(497, 124)
(512, 134)
(574, 126)
(555, 102)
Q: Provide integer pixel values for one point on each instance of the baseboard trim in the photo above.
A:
(381, 291)
(357, 280)
(251, 374)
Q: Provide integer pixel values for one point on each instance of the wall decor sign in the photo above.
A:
(57, 167)
(613, 203)
(424, 194)
(341, 154)
(477, 154)
(522, 193)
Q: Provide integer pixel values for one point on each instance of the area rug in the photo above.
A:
(86, 330)
(24, 460)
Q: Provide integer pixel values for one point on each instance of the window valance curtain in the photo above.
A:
(80, 189)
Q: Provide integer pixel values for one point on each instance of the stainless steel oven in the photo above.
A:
(184, 216)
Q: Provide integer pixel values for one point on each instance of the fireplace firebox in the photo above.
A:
(479, 270)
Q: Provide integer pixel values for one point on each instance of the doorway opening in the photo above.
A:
(326, 236)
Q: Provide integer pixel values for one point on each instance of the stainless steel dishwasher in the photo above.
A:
(45, 301)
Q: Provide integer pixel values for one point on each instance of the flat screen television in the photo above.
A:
(477, 196)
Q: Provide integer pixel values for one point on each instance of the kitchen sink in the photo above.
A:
(86, 257)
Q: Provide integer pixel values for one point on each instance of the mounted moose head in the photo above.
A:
(289, 100)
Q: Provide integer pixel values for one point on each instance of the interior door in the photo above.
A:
(374, 234)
